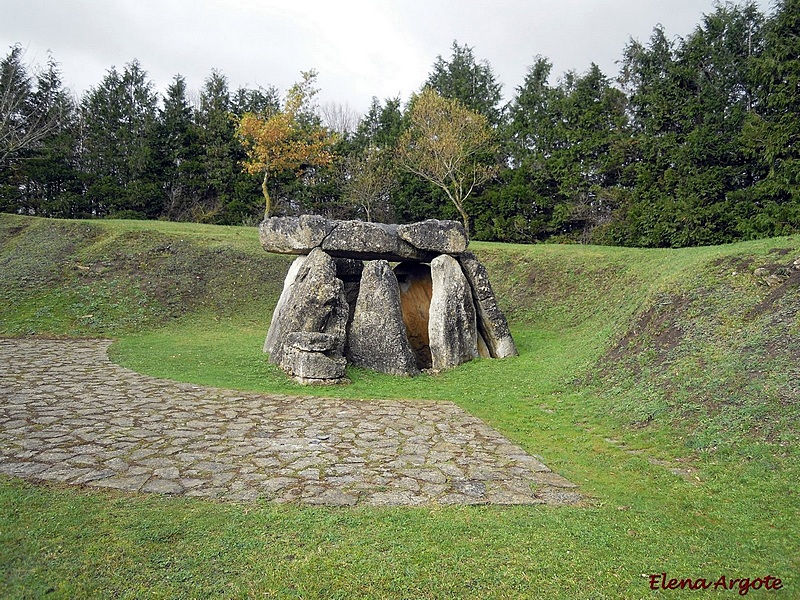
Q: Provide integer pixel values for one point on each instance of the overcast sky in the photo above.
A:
(360, 49)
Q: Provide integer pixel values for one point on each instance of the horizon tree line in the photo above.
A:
(696, 142)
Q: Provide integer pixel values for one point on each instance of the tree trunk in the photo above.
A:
(264, 191)
(464, 216)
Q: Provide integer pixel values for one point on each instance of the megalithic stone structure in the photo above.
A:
(342, 302)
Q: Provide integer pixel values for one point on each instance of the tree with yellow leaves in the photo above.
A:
(447, 144)
(291, 139)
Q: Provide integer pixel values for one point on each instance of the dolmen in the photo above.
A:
(397, 299)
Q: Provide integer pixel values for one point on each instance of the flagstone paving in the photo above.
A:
(69, 415)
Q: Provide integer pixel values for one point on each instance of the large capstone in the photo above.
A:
(492, 324)
(369, 241)
(377, 338)
(294, 235)
(441, 237)
(362, 240)
(451, 325)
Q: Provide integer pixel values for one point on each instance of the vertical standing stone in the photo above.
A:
(492, 323)
(377, 337)
(451, 327)
(316, 304)
(274, 326)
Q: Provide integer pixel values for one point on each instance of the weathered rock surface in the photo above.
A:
(415, 317)
(362, 239)
(314, 367)
(280, 307)
(442, 237)
(491, 321)
(311, 341)
(369, 241)
(315, 304)
(416, 289)
(452, 329)
(294, 235)
(377, 338)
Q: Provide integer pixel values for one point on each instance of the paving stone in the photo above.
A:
(163, 486)
(334, 497)
(67, 414)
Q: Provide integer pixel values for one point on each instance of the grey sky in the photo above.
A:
(360, 48)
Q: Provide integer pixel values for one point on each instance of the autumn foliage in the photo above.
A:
(288, 140)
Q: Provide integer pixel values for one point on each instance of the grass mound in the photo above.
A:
(663, 382)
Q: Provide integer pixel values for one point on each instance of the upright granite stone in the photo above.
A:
(441, 237)
(492, 323)
(377, 338)
(416, 289)
(316, 304)
(451, 327)
(280, 307)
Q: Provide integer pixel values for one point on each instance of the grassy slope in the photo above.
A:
(633, 363)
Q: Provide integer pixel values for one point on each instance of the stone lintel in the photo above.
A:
(363, 240)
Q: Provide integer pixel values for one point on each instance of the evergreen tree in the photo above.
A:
(52, 185)
(180, 154)
(567, 145)
(471, 83)
(772, 133)
(119, 145)
(690, 101)
(223, 199)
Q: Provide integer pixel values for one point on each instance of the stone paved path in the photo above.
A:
(69, 415)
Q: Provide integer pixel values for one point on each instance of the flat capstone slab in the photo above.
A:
(68, 415)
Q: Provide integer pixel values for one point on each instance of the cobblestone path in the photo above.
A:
(71, 416)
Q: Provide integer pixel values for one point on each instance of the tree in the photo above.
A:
(567, 145)
(448, 145)
(180, 154)
(290, 140)
(214, 119)
(369, 181)
(119, 154)
(470, 82)
(772, 132)
(28, 113)
(689, 101)
(36, 139)
(340, 118)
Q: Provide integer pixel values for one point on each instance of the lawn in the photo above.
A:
(663, 382)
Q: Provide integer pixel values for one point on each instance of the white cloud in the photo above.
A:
(361, 48)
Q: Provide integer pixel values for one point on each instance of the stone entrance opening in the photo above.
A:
(416, 290)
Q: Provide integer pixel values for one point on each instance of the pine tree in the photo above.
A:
(470, 82)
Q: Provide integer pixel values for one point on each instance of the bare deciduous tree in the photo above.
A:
(28, 113)
(339, 118)
(369, 181)
(447, 144)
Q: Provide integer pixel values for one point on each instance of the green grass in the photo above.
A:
(632, 362)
